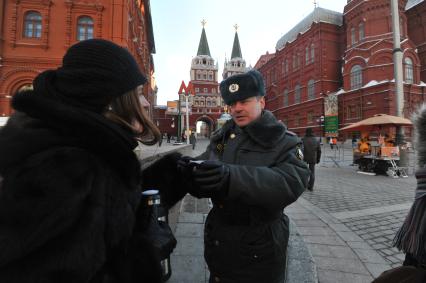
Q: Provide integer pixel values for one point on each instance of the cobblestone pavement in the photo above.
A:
(378, 231)
(373, 207)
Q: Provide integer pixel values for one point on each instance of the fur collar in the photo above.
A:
(41, 123)
(419, 121)
(266, 130)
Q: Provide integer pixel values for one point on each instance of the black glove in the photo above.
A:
(211, 179)
(185, 167)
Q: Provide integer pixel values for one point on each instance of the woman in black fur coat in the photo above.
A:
(69, 180)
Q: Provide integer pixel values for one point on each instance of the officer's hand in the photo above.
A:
(211, 179)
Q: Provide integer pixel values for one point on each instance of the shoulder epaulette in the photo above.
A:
(290, 133)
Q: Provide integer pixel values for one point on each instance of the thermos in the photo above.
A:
(152, 200)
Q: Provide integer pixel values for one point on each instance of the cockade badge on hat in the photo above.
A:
(233, 88)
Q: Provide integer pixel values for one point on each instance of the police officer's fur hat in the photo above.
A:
(242, 86)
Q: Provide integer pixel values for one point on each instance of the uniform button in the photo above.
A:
(232, 136)
(216, 243)
(255, 256)
(216, 279)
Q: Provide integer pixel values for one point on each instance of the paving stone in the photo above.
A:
(332, 251)
(341, 264)
(331, 276)
(370, 256)
(189, 246)
(186, 264)
(318, 231)
(327, 240)
(191, 217)
(189, 230)
(376, 268)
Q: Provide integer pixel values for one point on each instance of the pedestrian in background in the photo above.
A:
(71, 187)
(311, 154)
(192, 140)
(253, 170)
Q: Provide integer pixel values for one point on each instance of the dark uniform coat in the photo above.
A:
(246, 233)
(311, 149)
(69, 196)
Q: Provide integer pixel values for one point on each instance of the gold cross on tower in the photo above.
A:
(236, 27)
(203, 22)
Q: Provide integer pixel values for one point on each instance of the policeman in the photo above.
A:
(253, 169)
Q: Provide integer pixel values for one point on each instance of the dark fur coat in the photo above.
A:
(69, 192)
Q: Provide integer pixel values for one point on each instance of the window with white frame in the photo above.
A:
(353, 36)
(84, 28)
(296, 120)
(311, 89)
(408, 68)
(285, 97)
(32, 25)
(356, 77)
(361, 31)
(310, 117)
(297, 94)
(312, 53)
(307, 54)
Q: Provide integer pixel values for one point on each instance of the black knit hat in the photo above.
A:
(93, 73)
(241, 86)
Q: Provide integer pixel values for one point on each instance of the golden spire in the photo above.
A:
(203, 22)
(236, 27)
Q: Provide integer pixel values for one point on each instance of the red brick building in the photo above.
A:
(348, 55)
(35, 34)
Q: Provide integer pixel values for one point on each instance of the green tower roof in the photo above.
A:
(203, 47)
(236, 49)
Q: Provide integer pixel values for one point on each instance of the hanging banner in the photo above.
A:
(331, 120)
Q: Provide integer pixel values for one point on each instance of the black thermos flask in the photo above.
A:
(152, 200)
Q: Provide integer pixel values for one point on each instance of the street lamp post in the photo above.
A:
(179, 126)
(187, 117)
(320, 121)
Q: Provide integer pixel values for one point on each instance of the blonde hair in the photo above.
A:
(127, 111)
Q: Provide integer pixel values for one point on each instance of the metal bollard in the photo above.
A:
(151, 199)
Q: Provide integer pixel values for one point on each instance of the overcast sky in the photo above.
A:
(177, 31)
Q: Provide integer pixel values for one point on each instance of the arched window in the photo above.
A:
(285, 97)
(297, 94)
(286, 66)
(307, 59)
(294, 62)
(408, 68)
(356, 77)
(312, 53)
(84, 28)
(353, 36)
(311, 89)
(32, 25)
(26, 87)
(361, 31)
